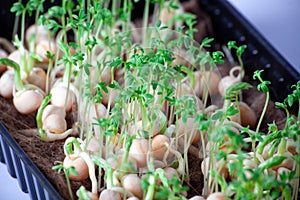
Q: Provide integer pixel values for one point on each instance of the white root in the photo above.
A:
(181, 167)
(50, 137)
(210, 109)
(93, 115)
(79, 153)
(238, 126)
(121, 190)
(91, 167)
(239, 76)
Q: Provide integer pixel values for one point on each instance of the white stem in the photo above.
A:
(91, 167)
(238, 126)
(210, 109)
(122, 191)
(180, 168)
(50, 137)
(239, 76)
(67, 141)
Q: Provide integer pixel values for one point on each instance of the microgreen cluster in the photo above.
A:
(144, 101)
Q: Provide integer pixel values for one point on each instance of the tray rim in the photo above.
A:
(28, 163)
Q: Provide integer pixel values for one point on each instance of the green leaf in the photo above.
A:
(50, 55)
(73, 171)
(39, 115)
(57, 167)
(218, 115)
(206, 42)
(101, 86)
(65, 49)
(158, 23)
(231, 111)
(100, 162)
(163, 27)
(9, 62)
(18, 8)
(175, 164)
(53, 25)
(186, 41)
(217, 57)
(56, 11)
(82, 193)
(221, 155)
(290, 100)
(116, 62)
(162, 176)
(69, 148)
(231, 45)
(272, 127)
(257, 74)
(240, 50)
(234, 90)
(271, 162)
(108, 132)
(263, 86)
(145, 184)
(86, 67)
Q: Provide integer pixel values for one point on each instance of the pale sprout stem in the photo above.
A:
(50, 137)
(91, 167)
(181, 167)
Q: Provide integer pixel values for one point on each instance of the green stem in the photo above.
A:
(31, 48)
(23, 63)
(150, 192)
(50, 64)
(242, 67)
(298, 109)
(68, 184)
(282, 147)
(99, 29)
(273, 148)
(16, 24)
(39, 115)
(263, 112)
(63, 23)
(36, 19)
(145, 22)
(23, 27)
(297, 174)
(109, 178)
(67, 80)
(238, 108)
(266, 141)
(128, 143)
(226, 104)
(186, 148)
(125, 25)
(17, 73)
(287, 116)
(205, 185)
(89, 15)
(114, 10)
(75, 146)
(286, 193)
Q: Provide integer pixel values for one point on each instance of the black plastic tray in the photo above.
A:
(228, 24)
(30, 178)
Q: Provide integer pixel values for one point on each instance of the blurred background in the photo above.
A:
(277, 21)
